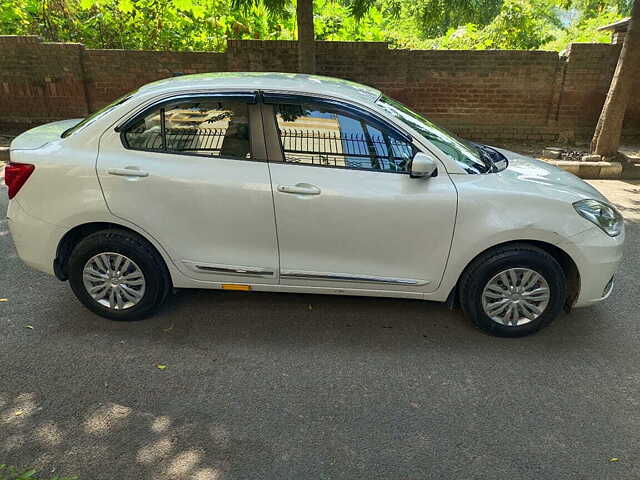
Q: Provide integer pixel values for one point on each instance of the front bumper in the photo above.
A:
(597, 257)
(36, 240)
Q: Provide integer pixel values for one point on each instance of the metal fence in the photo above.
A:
(205, 140)
(318, 147)
(197, 139)
(356, 150)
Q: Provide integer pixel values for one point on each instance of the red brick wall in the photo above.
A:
(588, 75)
(112, 73)
(262, 56)
(40, 81)
(531, 95)
(483, 89)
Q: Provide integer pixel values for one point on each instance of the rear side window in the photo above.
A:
(202, 127)
(327, 136)
(96, 115)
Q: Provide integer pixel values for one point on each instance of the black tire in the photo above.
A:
(134, 247)
(486, 266)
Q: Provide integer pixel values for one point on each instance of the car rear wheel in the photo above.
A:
(513, 290)
(118, 275)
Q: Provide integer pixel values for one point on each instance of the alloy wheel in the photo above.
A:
(113, 280)
(515, 296)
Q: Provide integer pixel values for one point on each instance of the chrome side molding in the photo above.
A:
(346, 277)
(243, 270)
(228, 269)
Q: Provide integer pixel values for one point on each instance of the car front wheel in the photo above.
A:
(118, 275)
(513, 290)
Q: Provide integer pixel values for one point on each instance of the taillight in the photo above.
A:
(15, 174)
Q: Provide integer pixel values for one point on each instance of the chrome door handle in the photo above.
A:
(300, 189)
(127, 172)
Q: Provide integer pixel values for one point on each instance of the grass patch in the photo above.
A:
(12, 473)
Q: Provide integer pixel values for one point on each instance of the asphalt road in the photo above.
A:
(282, 386)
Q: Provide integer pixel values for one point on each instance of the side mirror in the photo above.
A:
(423, 165)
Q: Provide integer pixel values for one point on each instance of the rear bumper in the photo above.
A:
(597, 257)
(36, 241)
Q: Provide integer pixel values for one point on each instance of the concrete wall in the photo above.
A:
(531, 95)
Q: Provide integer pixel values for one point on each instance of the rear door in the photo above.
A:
(192, 172)
(348, 214)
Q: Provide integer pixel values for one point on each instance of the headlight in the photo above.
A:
(603, 215)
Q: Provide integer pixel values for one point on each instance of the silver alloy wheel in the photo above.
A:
(113, 280)
(515, 296)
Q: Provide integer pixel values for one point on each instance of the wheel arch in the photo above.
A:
(70, 239)
(563, 258)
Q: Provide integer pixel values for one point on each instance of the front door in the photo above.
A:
(347, 212)
(191, 172)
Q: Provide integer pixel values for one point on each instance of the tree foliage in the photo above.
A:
(435, 17)
(142, 24)
(528, 24)
(207, 24)
(520, 24)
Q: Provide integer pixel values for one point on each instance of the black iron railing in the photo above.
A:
(355, 150)
(197, 139)
(205, 140)
(345, 149)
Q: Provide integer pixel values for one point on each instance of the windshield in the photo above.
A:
(95, 115)
(467, 155)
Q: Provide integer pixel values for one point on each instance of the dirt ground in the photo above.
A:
(624, 194)
(631, 151)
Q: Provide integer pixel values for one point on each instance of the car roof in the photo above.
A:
(268, 81)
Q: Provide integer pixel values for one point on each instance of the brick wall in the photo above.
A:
(112, 73)
(39, 81)
(531, 95)
(587, 78)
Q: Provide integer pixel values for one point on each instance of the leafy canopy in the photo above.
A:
(207, 24)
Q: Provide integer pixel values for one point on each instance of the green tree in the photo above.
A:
(606, 138)
(208, 24)
(142, 24)
(436, 17)
(305, 24)
(534, 24)
(520, 24)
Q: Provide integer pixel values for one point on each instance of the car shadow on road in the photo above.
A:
(203, 319)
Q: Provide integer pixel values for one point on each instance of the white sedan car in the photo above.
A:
(304, 184)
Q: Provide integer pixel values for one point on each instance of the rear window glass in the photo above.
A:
(95, 115)
(207, 126)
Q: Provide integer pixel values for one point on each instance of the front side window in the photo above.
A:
(465, 154)
(203, 127)
(324, 135)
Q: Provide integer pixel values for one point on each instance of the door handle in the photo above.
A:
(300, 189)
(128, 172)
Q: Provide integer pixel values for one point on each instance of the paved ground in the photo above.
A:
(310, 387)
(625, 194)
